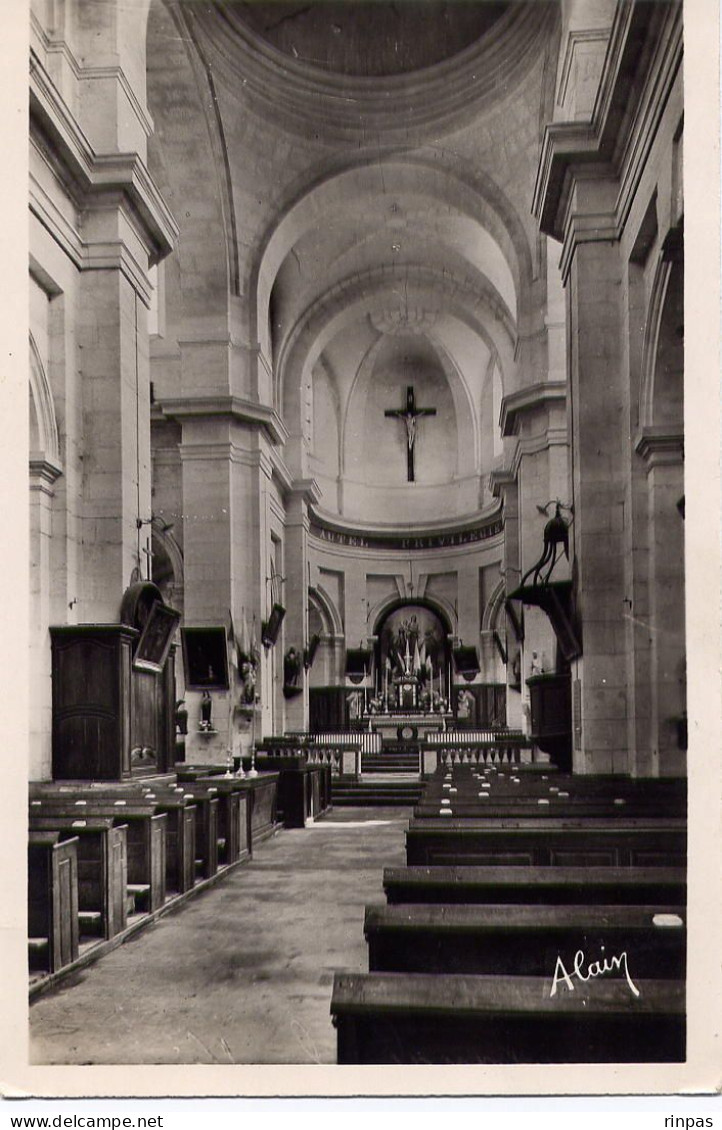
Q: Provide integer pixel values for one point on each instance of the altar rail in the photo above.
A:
(368, 740)
(475, 747)
(341, 751)
(475, 737)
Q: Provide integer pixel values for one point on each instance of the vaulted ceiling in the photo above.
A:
(372, 166)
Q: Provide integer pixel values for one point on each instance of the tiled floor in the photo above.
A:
(242, 973)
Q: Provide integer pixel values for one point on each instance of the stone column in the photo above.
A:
(296, 591)
(663, 454)
(504, 485)
(43, 475)
(598, 406)
(113, 355)
(226, 470)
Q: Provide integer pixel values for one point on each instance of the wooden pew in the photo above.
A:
(537, 885)
(262, 793)
(455, 1018)
(546, 842)
(300, 787)
(52, 900)
(146, 838)
(233, 816)
(519, 782)
(577, 807)
(205, 799)
(180, 838)
(525, 940)
(181, 817)
(102, 868)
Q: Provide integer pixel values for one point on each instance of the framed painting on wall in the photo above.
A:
(205, 658)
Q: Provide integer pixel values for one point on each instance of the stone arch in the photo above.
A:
(661, 447)
(358, 295)
(329, 613)
(188, 161)
(44, 436)
(474, 194)
(167, 564)
(443, 609)
(494, 615)
(660, 400)
(466, 420)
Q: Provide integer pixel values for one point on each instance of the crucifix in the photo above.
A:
(410, 415)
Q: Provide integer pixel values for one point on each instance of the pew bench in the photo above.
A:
(233, 816)
(487, 804)
(102, 869)
(163, 795)
(543, 842)
(457, 1018)
(52, 901)
(262, 793)
(204, 799)
(519, 783)
(537, 885)
(302, 788)
(146, 839)
(180, 838)
(512, 940)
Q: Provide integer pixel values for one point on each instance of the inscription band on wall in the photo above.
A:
(489, 529)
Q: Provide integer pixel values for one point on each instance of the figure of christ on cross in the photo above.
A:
(410, 415)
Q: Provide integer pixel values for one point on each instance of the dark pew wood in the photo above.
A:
(519, 785)
(578, 807)
(300, 787)
(102, 866)
(537, 885)
(166, 798)
(525, 940)
(188, 771)
(204, 797)
(262, 792)
(180, 838)
(546, 842)
(454, 1018)
(146, 838)
(233, 804)
(52, 900)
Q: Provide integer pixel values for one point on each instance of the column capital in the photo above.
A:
(516, 404)
(234, 407)
(44, 472)
(99, 180)
(598, 153)
(659, 447)
(306, 489)
(502, 482)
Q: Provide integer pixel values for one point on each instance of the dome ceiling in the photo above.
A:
(370, 38)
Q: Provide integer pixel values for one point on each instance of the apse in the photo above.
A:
(406, 436)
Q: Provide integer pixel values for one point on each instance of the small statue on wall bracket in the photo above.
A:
(248, 680)
(292, 666)
(181, 717)
(206, 709)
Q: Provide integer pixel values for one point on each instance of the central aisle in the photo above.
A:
(243, 973)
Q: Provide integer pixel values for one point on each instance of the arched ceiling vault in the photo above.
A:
(382, 209)
(380, 297)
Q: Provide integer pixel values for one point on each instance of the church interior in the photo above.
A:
(357, 529)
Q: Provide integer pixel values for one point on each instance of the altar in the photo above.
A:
(406, 726)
